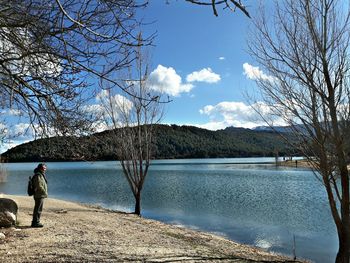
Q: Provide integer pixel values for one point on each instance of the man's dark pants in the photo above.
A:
(38, 208)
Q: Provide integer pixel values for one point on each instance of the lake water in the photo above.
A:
(242, 199)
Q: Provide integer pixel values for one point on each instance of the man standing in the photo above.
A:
(40, 192)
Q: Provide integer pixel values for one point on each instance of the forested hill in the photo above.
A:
(171, 142)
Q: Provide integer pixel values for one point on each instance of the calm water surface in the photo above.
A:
(256, 204)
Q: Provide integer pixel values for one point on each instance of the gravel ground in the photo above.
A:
(79, 233)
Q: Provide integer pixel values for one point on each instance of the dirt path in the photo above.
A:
(79, 233)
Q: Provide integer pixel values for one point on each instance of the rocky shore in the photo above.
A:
(79, 233)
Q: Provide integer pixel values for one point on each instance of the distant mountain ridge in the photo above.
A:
(271, 129)
(172, 141)
(282, 129)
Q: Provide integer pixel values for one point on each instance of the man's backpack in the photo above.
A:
(30, 189)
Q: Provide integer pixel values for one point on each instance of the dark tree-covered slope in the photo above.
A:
(170, 142)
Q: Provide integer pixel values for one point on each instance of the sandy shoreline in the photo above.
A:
(79, 233)
(298, 164)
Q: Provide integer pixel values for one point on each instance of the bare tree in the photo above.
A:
(52, 51)
(226, 4)
(304, 51)
(133, 118)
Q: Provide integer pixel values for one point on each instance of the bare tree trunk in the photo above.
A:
(343, 227)
(138, 203)
(343, 255)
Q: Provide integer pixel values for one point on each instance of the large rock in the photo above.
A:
(8, 212)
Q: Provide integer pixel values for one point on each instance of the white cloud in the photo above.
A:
(26, 131)
(118, 101)
(3, 126)
(109, 111)
(11, 112)
(237, 114)
(204, 75)
(166, 80)
(222, 58)
(15, 135)
(22, 129)
(92, 108)
(254, 73)
(220, 125)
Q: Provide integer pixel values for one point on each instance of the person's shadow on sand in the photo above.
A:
(23, 227)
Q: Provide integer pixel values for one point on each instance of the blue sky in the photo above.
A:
(201, 61)
(191, 39)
